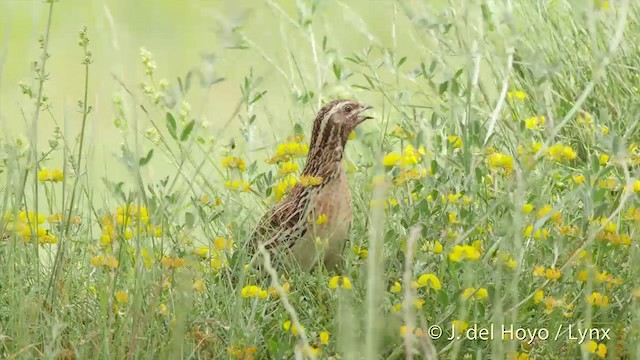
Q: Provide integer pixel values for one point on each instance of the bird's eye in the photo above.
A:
(348, 108)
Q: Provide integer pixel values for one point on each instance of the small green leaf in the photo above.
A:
(442, 88)
(171, 125)
(187, 81)
(187, 130)
(402, 61)
(189, 220)
(145, 160)
(337, 70)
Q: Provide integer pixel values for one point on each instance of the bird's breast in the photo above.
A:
(333, 216)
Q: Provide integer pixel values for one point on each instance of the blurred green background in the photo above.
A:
(178, 34)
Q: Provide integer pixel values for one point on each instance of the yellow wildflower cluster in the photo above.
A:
(516, 95)
(561, 153)
(106, 261)
(464, 252)
(550, 273)
(479, 294)
(129, 221)
(253, 291)
(409, 157)
(283, 186)
(233, 162)
(500, 161)
(427, 280)
(293, 148)
(238, 185)
(340, 281)
(408, 162)
(535, 122)
(242, 352)
(288, 167)
(28, 227)
(218, 255)
(173, 262)
(593, 347)
(597, 299)
(403, 134)
(455, 141)
(45, 175)
(505, 259)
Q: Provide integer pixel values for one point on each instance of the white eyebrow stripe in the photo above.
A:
(326, 118)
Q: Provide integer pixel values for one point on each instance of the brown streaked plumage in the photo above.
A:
(290, 230)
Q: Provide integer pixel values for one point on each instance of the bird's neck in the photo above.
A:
(325, 162)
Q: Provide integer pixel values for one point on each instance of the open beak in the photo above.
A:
(361, 118)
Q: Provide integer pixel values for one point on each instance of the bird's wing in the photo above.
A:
(280, 227)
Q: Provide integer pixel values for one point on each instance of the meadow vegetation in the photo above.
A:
(498, 185)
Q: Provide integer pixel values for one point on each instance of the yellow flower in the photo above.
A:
(199, 286)
(408, 175)
(534, 122)
(391, 159)
(429, 280)
(597, 299)
(608, 184)
(538, 271)
(286, 286)
(544, 211)
(520, 356)
(221, 243)
(172, 262)
(464, 252)
(594, 348)
(433, 246)
(360, 252)
(517, 95)
(552, 274)
(396, 288)
(321, 219)
(45, 175)
(290, 327)
(324, 337)
(538, 296)
(122, 296)
(527, 208)
(55, 218)
(238, 185)
(636, 186)
(561, 153)
(252, 291)
(106, 261)
(310, 350)
(608, 226)
(288, 167)
(352, 135)
(578, 179)
(453, 218)
(500, 161)
(604, 159)
(307, 180)
(286, 184)
(163, 310)
(232, 162)
(340, 281)
(455, 141)
(459, 326)
(479, 294)
(290, 149)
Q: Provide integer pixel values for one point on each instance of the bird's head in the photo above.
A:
(336, 120)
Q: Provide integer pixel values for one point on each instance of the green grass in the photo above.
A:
(497, 186)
